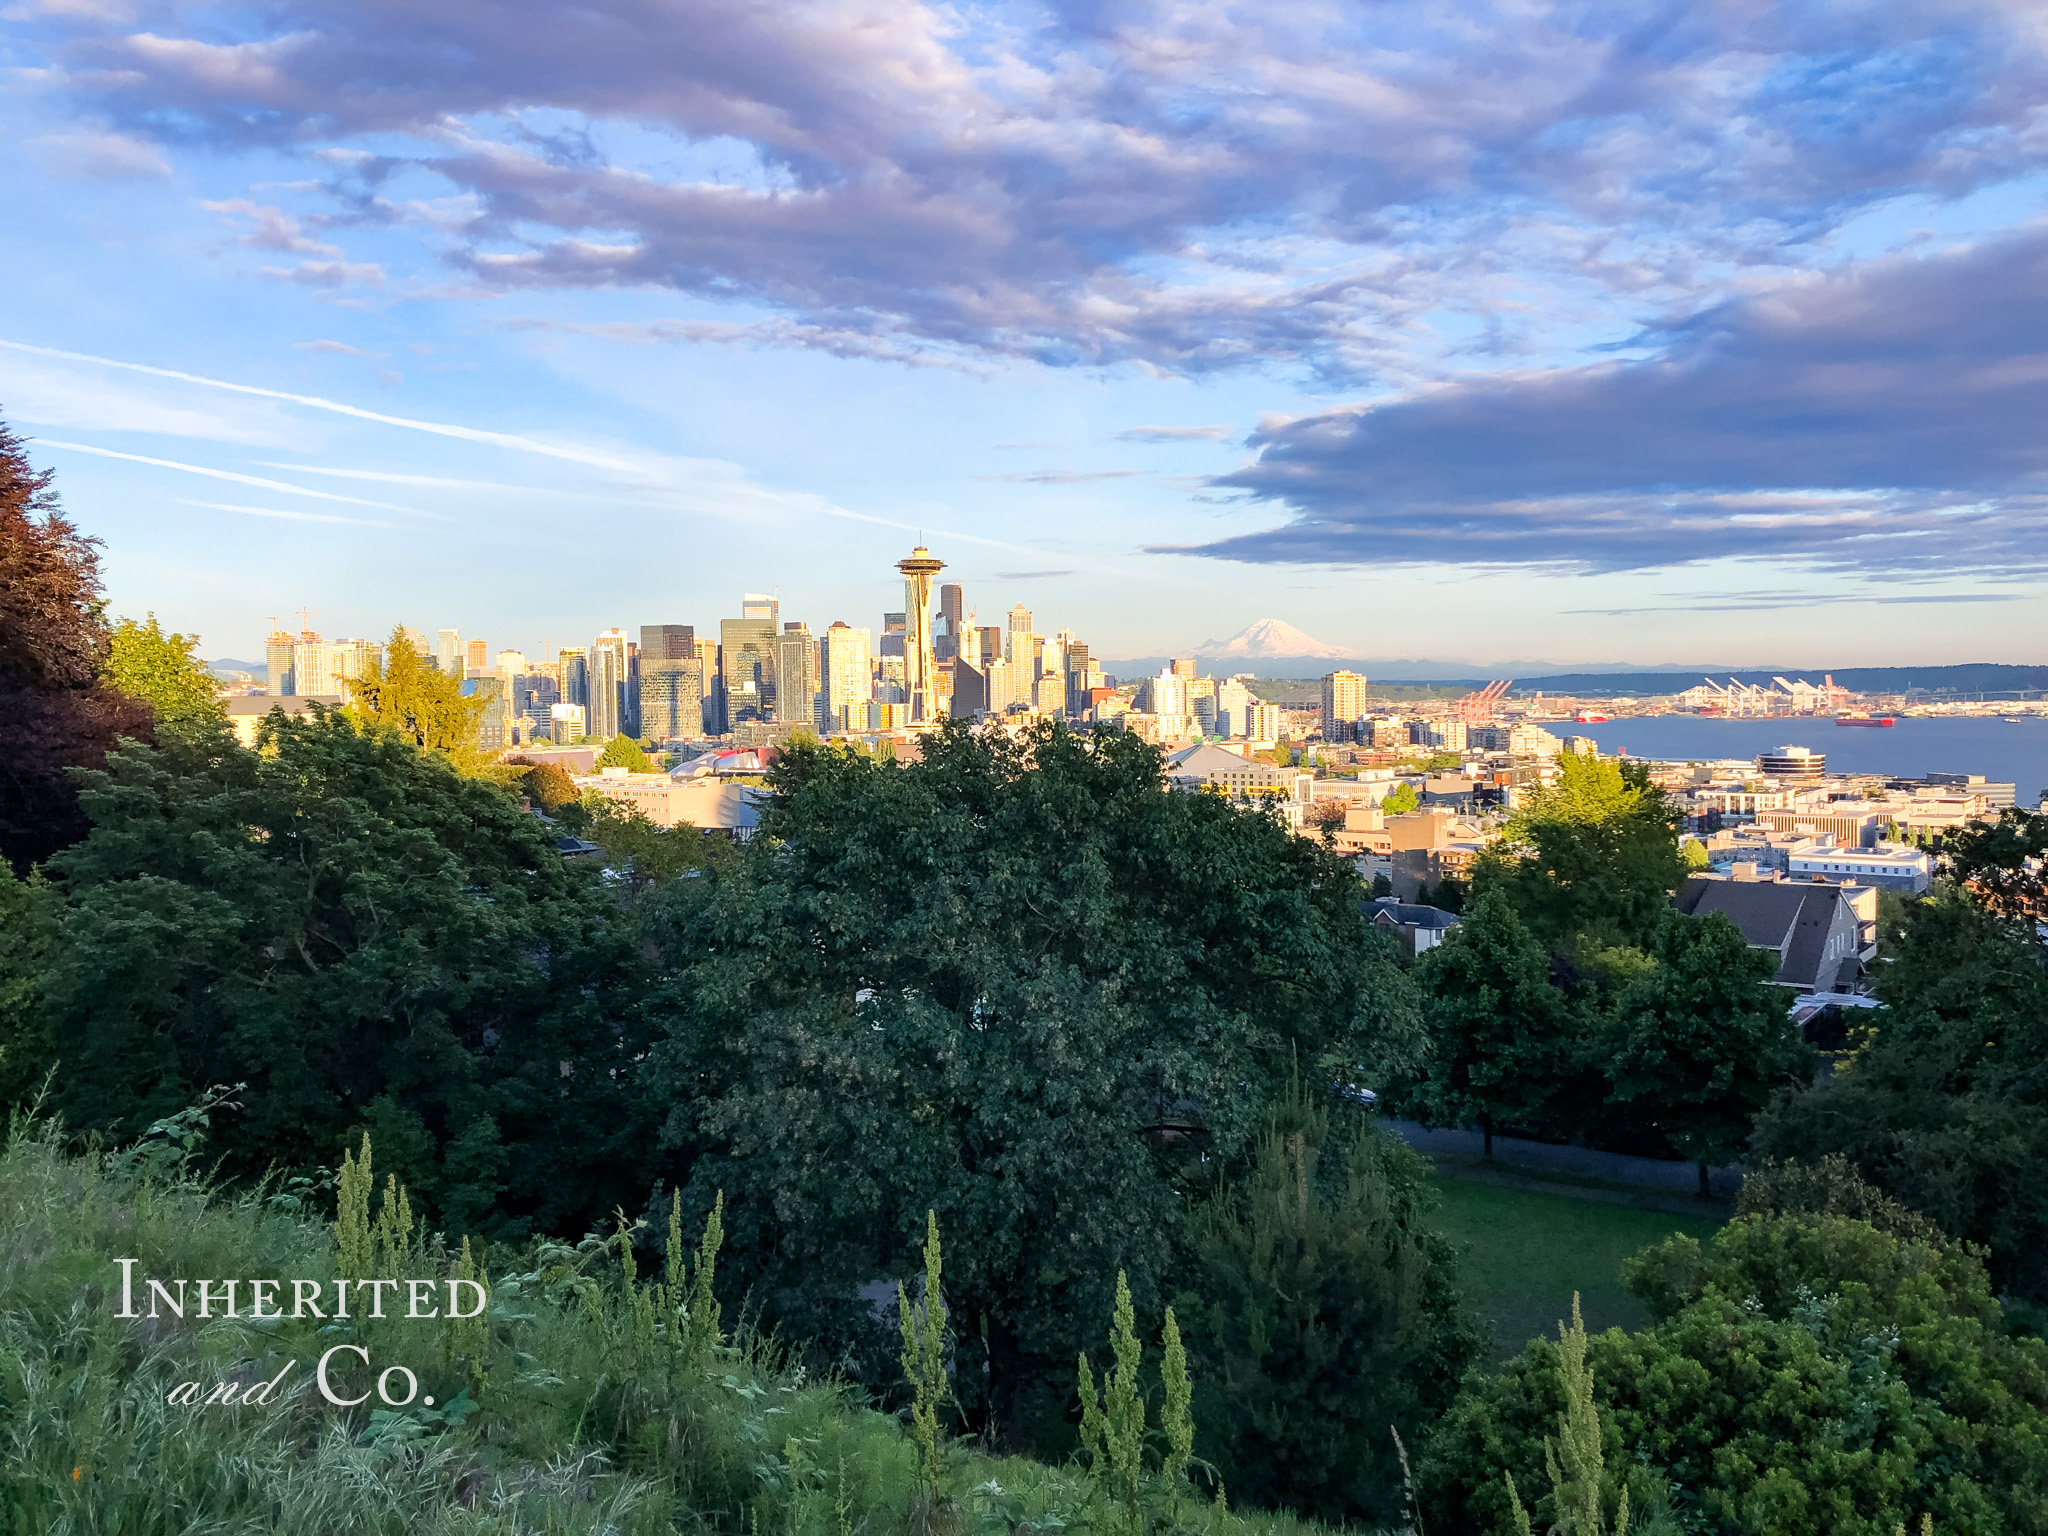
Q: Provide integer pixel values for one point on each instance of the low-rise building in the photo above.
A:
(1206, 764)
(1823, 935)
(1889, 866)
(1423, 927)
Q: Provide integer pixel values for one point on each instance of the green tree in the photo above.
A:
(545, 784)
(1501, 1038)
(368, 941)
(60, 710)
(1326, 1314)
(622, 751)
(645, 856)
(1595, 853)
(407, 693)
(1020, 983)
(1944, 1105)
(30, 911)
(2003, 865)
(1400, 800)
(1805, 1373)
(1703, 1040)
(164, 671)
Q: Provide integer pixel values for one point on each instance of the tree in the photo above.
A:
(645, 856)
(164, 672)
(2003, 864)
(1804, 1373)
(1019, 983)
(30, 911)
(1326, 1313)
(1400, 799)
(1596, 853)
(1500, 1035)
(407, 693)
(1944, 1106)
(545, 784)
(368, 941)
(622, 751)
(1703, 1040)
(60, 710)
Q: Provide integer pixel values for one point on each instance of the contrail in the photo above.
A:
(226, 474)
(439, 428)
(297, 517)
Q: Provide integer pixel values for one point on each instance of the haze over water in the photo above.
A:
(2014, 753)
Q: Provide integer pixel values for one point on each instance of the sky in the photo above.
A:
(1710, 330)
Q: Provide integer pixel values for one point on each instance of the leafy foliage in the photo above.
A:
(2003, 865)
(1803, 1374)
(163, 671)
(30, 911)
(1703, 1040)
(1594, 854)
(1019, 983)
(1400, 800)
(622, 751)
(405, 692)
(1501, 1037)
(369, 941)
(60, 710)
(1323, 1314)
(1945, 1105)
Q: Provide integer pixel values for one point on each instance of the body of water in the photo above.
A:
(2016, 754)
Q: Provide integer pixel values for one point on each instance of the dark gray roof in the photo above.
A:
(1386, 909)
(1793, 919)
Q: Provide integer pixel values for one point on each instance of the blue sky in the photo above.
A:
(1595, 333)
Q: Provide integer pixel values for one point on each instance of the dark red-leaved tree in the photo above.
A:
(59, 712)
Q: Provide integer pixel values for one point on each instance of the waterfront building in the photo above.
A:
(1792, 763)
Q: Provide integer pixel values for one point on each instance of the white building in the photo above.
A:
(846, 677)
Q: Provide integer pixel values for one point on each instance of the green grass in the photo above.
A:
(1527, 1253)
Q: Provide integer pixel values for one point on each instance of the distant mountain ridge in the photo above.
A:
(226, 665)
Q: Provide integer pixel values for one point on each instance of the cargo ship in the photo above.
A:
(1865, 720)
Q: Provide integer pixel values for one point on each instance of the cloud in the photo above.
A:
(340, 347)
(225, 474)
(1883, 418)
(1185, 187)
(1779, 601)
(297, 517)
(1032, 575)
(1064, 476)
(95, 153)
(840, 341)
(1174, 434)
(328, 274)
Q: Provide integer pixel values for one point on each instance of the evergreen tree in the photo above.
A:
(1703, 1041)
(1328, 1314)
(1501, 1038)
(60, 710)
(407, 693)
(164, 671)
(623, 751)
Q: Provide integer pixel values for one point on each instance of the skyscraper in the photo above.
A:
(671, 698)
(891, 642)
(608, 684)
(448, 651)
(796, 676)
(477, 658)
(760, 605)
(277, 660)
(952, 616)
(846, 678)
(352, 660)
(313, 666)
(667, 642)
(573, 684)
(1343, 705)
(920, 674)
(746, 663)
(1019, 637)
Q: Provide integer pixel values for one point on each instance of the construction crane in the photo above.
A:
(1478, 707)
(306, 616)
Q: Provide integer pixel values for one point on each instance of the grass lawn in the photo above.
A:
(1528, 1252)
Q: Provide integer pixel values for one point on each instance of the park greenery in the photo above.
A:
(961, 1071)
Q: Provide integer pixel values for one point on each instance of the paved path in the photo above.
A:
(1582, 1162)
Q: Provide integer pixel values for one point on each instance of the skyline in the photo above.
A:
(1446, 332)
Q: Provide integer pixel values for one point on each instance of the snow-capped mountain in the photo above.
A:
(1271, 637)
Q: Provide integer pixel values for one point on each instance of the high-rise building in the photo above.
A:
(845, 677)
(477, 658)
(671, 697)
(1233, 704)
(967, 647)
(1343, 705)
(1184, 667)
(992, 648)
(920, 672)
(1002, 686)
(1083, 677)
(313, 666)
(566, 723)
(1166, 694)
(573, 680)
(796, 676)
(494, 724)
(952, 618)
(1019, 637)
(1262, 721)
(511, 664)
(608, 681)
(667, 642)
(746, 663)
(277, 661)
(891, 641)
(448, 651)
